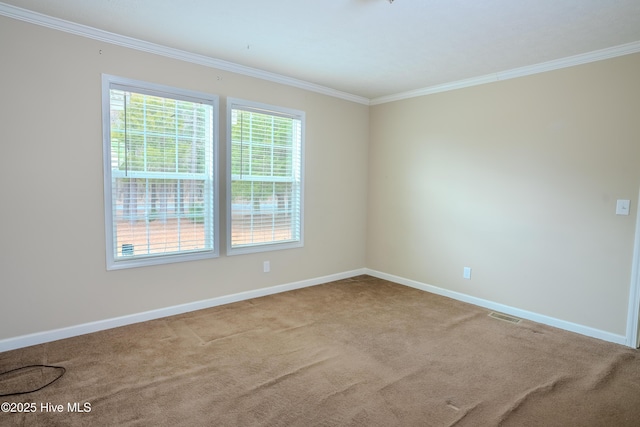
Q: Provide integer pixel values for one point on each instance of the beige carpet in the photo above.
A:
(356, 352)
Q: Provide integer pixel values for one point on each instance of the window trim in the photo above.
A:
(143, 87)
(235, 103)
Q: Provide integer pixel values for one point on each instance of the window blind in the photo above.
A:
(161, 174)
(266, 176)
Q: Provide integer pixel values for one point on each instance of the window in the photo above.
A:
(159, 173)
(264, 186)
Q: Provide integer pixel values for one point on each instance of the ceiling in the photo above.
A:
(368, 48)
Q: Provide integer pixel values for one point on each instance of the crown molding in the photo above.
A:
(141, 45)
(585, 58)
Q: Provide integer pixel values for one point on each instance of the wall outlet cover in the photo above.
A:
(622, 207)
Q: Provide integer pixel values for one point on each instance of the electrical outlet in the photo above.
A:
(466, 273)
(266, 266)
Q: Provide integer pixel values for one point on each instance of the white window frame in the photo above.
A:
(235, 103)
(114, 262)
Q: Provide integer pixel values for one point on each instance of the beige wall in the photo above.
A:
(52, 217)
(518, 180)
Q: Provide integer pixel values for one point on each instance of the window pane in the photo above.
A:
(159, 216)
(161, 186)
(265, 155)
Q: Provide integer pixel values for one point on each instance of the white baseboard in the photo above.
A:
(535, 317)
(86, 328)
